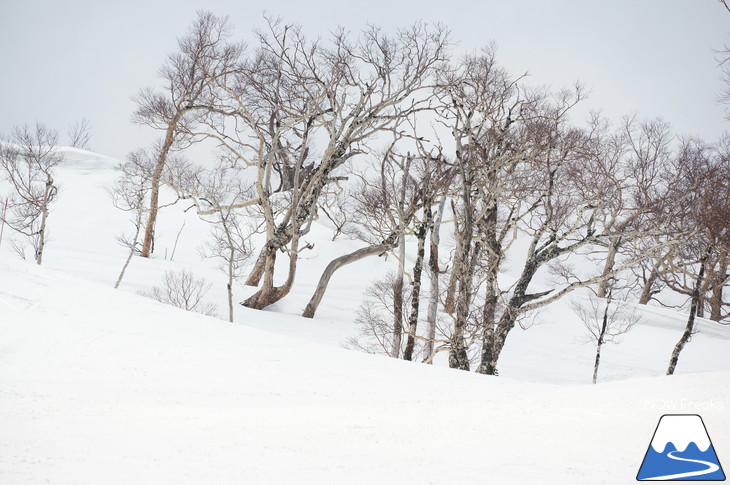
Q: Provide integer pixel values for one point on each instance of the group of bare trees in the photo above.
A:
(28, 161)
(400, 145)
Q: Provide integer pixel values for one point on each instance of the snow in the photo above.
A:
(680, 430)
(104, 386)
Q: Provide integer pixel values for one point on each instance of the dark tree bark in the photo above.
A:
(416, 293)
(494, 252)
(601, 336)
(692, 313)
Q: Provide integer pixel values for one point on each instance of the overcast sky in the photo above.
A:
(65, 60)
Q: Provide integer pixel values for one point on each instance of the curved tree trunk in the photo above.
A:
(269, 294)
(608, 267)
(149, 231)
(333, 266)
(254, 277)
(647, 291)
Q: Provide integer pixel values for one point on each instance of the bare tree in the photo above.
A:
(511, 144)
(129, 194)
(375, 316)
(183, 290)
(434, 273)
(385, 202)
(79, 134)
(337, 208)
(433, 178)
(222, 190)
(629, 172)
(295, 91)
(27, 162)
(605, 320)
(192, 77)
(707, 203)
(517, 156)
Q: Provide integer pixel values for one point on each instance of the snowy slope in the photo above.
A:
(83, 226)
(100, 386)
(103, 386)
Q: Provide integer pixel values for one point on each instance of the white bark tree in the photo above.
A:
(27, 161)
(192, 77)
(129, 193)
(341, 94)
(605, 320)
(222, 190)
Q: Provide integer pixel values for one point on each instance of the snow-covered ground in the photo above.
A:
(104, 386)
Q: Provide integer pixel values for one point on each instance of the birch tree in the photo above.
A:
(28, 161)
(129, 194)
(628, 170)
(192, 78)
(705, 181)
(341, 93)
(605, 320)
(222, 190)
(517, 157)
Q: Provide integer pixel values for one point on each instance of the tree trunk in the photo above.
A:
(433, 273)
(416, 293)
(41, 237)
(138, 224)
(450, 300)
(257, 272)
(494, 258)
(601, 336)
(269, 294)
(608, 267)
(718, 284)
(336, 264)
(229, 285)
(147, 242)
(692, 313)
(512, 311)
(398, 301)
(598, 360)
(646, 291)
(47, 194)
(458, 355)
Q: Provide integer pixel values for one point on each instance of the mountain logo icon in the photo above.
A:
(681, 450)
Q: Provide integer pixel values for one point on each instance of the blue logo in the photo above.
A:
(681, 450)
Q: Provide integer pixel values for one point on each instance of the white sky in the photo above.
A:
(64, 60)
